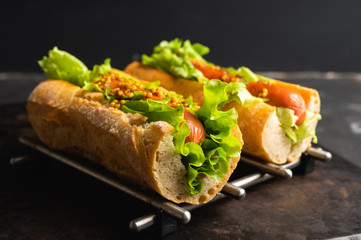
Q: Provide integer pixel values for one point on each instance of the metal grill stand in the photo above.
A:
(169, 214)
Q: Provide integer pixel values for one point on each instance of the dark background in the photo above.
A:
(263, 35)
(38, 202)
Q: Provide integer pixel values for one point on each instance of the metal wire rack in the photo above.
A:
(168, 212)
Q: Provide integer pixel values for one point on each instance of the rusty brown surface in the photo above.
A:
(44, 199)
(323, 204)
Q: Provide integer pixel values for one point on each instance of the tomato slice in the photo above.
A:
(280, 96)
(197, 134)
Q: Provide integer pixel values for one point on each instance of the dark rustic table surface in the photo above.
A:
(45, 199)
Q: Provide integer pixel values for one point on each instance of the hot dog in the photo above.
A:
(151, 137)
(277, 119)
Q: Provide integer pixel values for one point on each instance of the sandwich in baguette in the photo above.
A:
(147, 135)
(277, 119)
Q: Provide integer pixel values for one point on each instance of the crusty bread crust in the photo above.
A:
(67, 118)
(263, 137)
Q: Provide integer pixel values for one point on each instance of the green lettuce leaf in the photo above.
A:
(174, 57)
(247, 75)
(238, 92)
(98, 70)
(216, 165)
(90, 86)
(62, 65)
(288, 120)
(218, 123)
(219, 146)
(156, 110)
(305, 129)
(296, 133)
(193, 161)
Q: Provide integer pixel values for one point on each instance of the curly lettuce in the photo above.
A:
(238, 92)
(220, 145)
(296, 133)
(211, 157)
(174, 58)
(63, 65)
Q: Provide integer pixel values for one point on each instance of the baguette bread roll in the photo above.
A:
(67, 118)
(262, 135)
